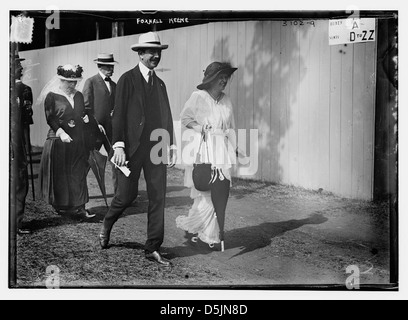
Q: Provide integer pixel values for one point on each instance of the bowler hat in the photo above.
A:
(213, 70)
(149, 40)
(105, 58)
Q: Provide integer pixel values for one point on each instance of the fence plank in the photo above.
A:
(181, 58)
(305, 124)
(275, 100)
(316, 108)
(218, 42)
(240, 107)
(335, 117)
(323, 130)
(233, 59)
(358, 124)
(262, 95)
(193, 59)
(249, 77)
(284, 112)
(346, 121)
(205, 59)
(369, 118)
(294, 77)
(167, 67)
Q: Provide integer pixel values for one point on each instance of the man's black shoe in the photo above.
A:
(156, 257)
(85, 214)
(103, 239)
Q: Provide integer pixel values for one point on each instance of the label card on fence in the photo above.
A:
(343, 31)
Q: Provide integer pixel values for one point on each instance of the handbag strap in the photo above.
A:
(203, 139)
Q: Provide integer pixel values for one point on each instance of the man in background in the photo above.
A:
(99, 95)
(24, 120)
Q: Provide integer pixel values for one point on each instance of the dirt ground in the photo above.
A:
(275, 236)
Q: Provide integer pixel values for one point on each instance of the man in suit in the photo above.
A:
(24, 101)
(142, 109)
(25, 96)
(99, 95)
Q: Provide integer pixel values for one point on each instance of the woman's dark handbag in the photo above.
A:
(202, 172)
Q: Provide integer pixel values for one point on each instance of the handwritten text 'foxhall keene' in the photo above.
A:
(161, 21)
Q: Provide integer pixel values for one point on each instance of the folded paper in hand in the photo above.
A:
(124, 168)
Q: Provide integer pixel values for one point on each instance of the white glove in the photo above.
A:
(63, 136)
(172, 156)
(119, 157)
(102, 129)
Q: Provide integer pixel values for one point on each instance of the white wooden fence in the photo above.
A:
(312, 103)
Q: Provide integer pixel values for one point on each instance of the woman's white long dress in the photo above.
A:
(203, 109)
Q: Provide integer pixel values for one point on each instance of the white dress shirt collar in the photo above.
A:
(144, 71)
(106, 82)
(103, 76)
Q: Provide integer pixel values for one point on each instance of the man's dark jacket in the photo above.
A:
(129, 113)
(100, 101)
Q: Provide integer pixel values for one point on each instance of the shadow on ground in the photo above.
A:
(247, 239)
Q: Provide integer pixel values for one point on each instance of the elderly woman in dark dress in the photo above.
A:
(64, 164)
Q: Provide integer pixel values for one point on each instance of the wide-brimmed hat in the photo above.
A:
(213, 70)
(149, 40)
(69, 72)
(105, 58)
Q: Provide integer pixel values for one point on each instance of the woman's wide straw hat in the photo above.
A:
(150, 40)
(213, 70)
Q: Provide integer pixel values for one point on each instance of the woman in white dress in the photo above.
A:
(210, 111)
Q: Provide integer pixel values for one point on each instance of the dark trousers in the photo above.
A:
(21, 193)
(219, 196)
(127, 191)
(22, 184)
(104, 141)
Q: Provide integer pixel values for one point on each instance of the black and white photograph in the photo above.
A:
(209, 150)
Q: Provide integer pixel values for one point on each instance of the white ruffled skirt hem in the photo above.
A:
(201, 218)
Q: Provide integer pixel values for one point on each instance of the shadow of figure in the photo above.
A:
(128, 245)
(50, 222)
(179, 202)
(175, 188)
(248, 238)
(141, 203)
(260, 236)
(67, 219)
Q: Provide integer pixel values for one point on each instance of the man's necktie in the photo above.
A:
(150, 82)
(107, 79)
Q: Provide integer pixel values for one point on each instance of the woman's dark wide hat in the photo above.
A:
(213, 70)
